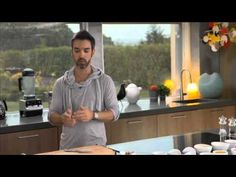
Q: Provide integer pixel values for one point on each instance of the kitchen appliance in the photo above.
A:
(29, 105)
(3, 109)
(121, 94)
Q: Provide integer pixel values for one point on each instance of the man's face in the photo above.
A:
(82, 53)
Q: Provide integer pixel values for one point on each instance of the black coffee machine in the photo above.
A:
(29, 104)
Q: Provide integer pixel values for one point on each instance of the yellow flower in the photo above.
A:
(214, 38)
(169, 83)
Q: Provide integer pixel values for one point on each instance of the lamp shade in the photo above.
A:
(192, 91)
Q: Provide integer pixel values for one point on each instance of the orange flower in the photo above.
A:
(153, 87)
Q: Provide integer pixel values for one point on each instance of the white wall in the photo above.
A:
(95, 28)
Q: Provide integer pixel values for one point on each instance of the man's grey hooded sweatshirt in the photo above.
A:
(98, 93)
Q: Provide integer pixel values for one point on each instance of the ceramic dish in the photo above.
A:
(232, 143)
(203, 148)
(217, 145)
(233, 151)
(220, 152)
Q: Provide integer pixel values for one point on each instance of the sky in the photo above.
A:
(131, 33)
(73, 27)
(126, 33)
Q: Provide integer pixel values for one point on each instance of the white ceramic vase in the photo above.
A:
(211, 85)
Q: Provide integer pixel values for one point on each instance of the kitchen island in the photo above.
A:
(149, 146)
(85, 150)
(166, 143)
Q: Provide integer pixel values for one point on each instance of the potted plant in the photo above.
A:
(163, 91)
(153, 93)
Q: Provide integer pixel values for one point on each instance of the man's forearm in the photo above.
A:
(55, 119)
(105, 116)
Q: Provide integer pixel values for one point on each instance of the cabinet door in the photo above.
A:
(172, 124)
(211, 118)
(133, 129)
(29, 142)
(195, 121)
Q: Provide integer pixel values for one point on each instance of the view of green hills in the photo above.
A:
(45, 47)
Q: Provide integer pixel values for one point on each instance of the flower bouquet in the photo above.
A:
(163, 91)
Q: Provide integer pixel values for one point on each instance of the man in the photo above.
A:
(84, 98)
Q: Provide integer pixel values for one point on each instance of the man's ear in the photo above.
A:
(93, 52)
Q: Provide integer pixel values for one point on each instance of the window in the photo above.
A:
(43, 47)
(140, 53)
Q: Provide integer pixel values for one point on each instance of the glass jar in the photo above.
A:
(232, 128)
(223, 128)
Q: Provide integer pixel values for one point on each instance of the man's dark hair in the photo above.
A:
(84, 35)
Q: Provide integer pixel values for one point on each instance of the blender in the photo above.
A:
(29, 104)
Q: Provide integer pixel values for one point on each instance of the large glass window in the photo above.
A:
(140, 53)
(43, 47)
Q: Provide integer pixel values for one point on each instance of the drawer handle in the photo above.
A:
(178, 116)
(28, 136)
(135, 122)
(216, 110)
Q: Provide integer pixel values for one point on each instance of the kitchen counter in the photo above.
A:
(166, 143)
(144, 107)
(145, 146)
(15, 123)
(85, 150)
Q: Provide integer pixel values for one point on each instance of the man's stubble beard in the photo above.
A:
(82, 63)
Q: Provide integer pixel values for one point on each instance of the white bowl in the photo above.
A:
(203, 148)
(232, 143)
(220, 152)
(159, 153)
(233, 151)
(206, 153)
(189, 151)
(174, 152)
(217, 145)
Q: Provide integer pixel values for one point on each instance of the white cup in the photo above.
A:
(233, 151)
(232, 143)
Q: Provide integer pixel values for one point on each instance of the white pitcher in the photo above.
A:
(132, 93)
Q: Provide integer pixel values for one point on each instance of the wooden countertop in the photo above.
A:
(86, 150)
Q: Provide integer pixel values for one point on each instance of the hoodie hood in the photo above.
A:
(69, 77)
(69, 81)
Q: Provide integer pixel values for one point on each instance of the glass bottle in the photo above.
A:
(232, 128)
(223, 128)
